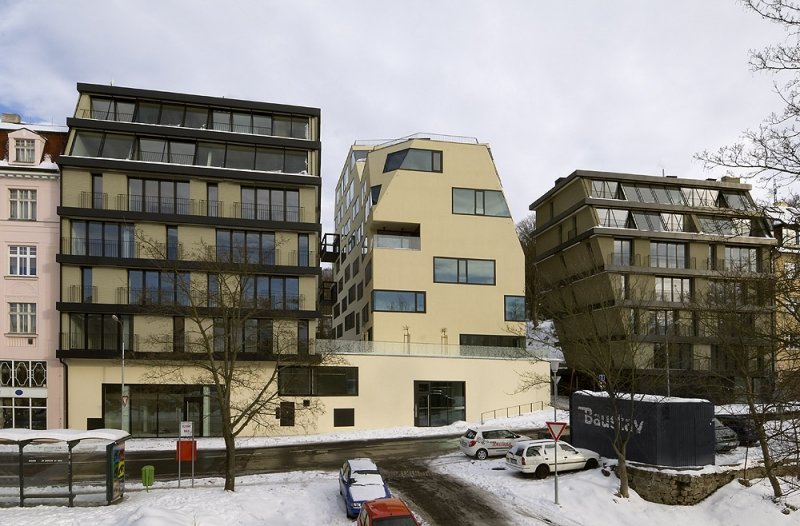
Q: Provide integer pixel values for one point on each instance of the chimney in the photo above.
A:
(11, 118)
(729, 179)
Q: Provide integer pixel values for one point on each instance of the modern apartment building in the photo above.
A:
(662, 274)
(31, 377)
(429, 282)
(162, 194)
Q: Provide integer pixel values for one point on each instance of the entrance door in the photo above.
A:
(422, 408)
(438, 403)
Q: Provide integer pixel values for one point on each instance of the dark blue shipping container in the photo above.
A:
(673, 432)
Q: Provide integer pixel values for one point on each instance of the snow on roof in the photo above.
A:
(362, 464)
(59, 435)
(34, 127)
(646, 398)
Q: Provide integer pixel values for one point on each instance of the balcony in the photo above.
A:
(191, 207)
(289, 258)
(425, 349)
(396, 241)
(82, 294)
(120, 249)
(172, 298)
(330, 248)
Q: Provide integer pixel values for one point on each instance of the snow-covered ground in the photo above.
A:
(312, 498)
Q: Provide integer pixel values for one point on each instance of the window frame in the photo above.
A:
(465, 262)
(28, 258)
(22, 315)
(506, 310)
(418, 294)
(476, 192)
(22, 199)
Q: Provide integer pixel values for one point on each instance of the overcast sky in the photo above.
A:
(553, 86)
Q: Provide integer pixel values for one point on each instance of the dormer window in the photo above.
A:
(25, 147)
(26, 150)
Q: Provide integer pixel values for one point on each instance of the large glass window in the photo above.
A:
(491, 340)
(398, 301)
(240, 246)
(469, 271)
(613, 218)
(605, 189)
(479, 202)
(318, 381)
(153, 287)
(158, 196)
(667, 255)
(622, 252)
(414, 159)
(514, 308)
(93, 238)
(673, 289)
(742, 259)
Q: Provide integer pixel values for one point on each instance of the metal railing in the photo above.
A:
(395, 241)
(423, 349)
(514, 410)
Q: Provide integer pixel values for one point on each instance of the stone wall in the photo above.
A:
(685, 488)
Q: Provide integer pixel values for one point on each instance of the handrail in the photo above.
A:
(508, 412)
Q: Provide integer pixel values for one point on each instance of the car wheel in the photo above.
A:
(481, 454)
(591, 464)
(542, 471)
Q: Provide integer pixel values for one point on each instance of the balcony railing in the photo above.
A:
(291, 258)
(181, 298)
(82, 294)
(193, 207)
(120, 249)
(97, 341)
(395, 241)
(425, 349)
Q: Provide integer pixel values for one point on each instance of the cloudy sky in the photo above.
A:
(553, 86)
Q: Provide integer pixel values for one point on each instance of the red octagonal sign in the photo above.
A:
(556, 429)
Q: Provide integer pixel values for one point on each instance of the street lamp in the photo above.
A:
(122, 420)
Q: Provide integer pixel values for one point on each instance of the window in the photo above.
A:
(344, 417)
(22, 205)
(87, 290)
(244, 246)
(99, 332)
(318, 381)
(252, 335)
(612, 218)
(667, 255)
(94, 238)
(23, 413)
(25, 150)
(178, 334)
(515, 308)
(414, 159)
(22, 317)
(743, 259)
(152, 287)
(270, 204)
(172, 243)
(622, 252)
(398, 301)
(674, 355)
(22, 260)
(470, 271)
(673, 289)
(303, 254)
(491, 340)
(479, 202)
(271, 292)
(212, 200)
(23, 373)
(156, 196)
(605, 189)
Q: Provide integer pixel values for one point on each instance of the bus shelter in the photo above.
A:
(56, 464)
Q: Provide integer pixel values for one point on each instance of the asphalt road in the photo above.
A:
(440, 499)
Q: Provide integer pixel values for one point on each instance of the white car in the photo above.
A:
(486, 442)
(539, 457)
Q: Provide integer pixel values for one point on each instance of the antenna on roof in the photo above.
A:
(662, 173)
(774, 192)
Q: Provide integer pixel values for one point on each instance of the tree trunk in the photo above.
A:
(230, 460)
(622, 474)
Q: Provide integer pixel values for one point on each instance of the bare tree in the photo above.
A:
(232, 337)
(606, 345)
(525, 233)
(771, 150)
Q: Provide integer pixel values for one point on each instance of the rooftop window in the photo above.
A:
(414, 159)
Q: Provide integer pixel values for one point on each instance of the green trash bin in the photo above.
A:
(148, 476)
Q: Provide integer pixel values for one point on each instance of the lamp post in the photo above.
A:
(122, 421)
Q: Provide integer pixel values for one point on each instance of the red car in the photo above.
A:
(386, 512)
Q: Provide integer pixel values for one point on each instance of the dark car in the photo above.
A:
(743, 426)
(360, 481)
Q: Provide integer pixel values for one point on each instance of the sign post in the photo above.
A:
(556, 429)
(186, 431)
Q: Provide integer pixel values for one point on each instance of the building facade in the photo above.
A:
(664, 276)
(31, 377)
(164, 197)
(429, 280)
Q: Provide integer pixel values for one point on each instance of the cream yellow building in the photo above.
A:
(429, 278)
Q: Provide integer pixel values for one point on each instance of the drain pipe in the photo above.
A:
(66, 391)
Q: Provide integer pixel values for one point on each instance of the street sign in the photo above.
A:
(556, 429)
(186, 429)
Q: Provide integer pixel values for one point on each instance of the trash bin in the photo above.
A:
(148, 476)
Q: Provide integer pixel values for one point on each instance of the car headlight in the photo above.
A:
(356, 504)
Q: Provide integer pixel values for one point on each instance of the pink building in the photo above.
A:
(31, 377)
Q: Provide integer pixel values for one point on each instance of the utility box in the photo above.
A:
(664, 431)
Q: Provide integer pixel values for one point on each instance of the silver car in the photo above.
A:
(539, 457)
(483, 442)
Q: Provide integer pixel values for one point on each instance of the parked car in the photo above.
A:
(483, 442)
(360, 481)
(743, 426)
(386, 512)
(725, 438)
(539, 457)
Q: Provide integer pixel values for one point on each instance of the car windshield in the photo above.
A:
(395, 521)
(366, 478)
